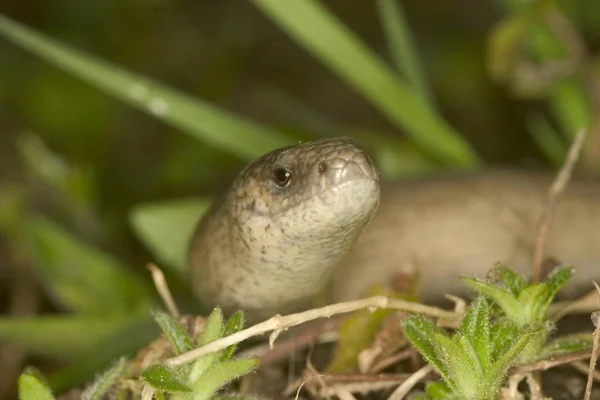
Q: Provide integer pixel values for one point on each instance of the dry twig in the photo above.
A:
(278, 323)
(557, 188)
(406, 386)
(595, 349)
(163, 290)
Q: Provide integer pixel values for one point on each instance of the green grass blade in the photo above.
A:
(200, 119)
(547, 138)
(166, 228)
(324, 36)
(401, 45)
(82, 278)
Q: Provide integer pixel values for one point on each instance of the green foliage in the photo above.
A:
(180, 340)
(154, 225)
(193, 116)
(311, 25)
(105, 381)
(204, 377)
(33, 386)
(523, 304)
(473, 361)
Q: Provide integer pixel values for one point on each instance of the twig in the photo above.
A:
(163, 290)
(543, 365)
(584, 368)
(558, 186)
(279, 323)
(595, 349)
(406, 386)
(585, 304)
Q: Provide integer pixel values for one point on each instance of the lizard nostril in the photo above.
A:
(322, 167)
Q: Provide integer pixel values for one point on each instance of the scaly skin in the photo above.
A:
(266, 249)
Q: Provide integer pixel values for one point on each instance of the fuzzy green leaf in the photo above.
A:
(514, 281)
(161, 377)
(497, 373)
(438, 390)
(557, 279)
(459, 359)
(101, 384)
(213, 330)
(509, 304)
(476, 327)
(213, 327)
(32, 385)
(503, 332)
(220, 374)
(233, 325)
(178, 337)
(420, 332)
(567, 344)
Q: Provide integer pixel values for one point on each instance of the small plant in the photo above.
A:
(205, 376)
(493, 336)
(198, 380)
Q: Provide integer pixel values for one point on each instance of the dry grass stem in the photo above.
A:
(163, 290)
(544, 365)
(584, 368)
(595, 349)
(558, 186)
(586, 304)
(406, 386)
(278, 323)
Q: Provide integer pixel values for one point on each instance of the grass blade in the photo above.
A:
(324, 36)
(212, 125)
(401, 45)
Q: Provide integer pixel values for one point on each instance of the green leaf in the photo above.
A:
(421, 333)
(166, 229)
(548, 140)
(62, 337)
(438, 390)
(32, 386)
(459, 361)
(311, 25)
(476, 327)
(213, 327)
(503, 333)
(233, 325)
(164, 378)
(220, 374)
(178, 337)
(73, 184)
(401, 45)
(497, 373)
(213, 330)
(81, 278)
(509, 304)
(566, 344)
(559, 278)
(514, 281)
(202, 120)
(535, 299)
(104, 382)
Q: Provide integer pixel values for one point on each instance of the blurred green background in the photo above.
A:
(505, 82)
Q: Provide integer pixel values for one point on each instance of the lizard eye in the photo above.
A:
(282, 177)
